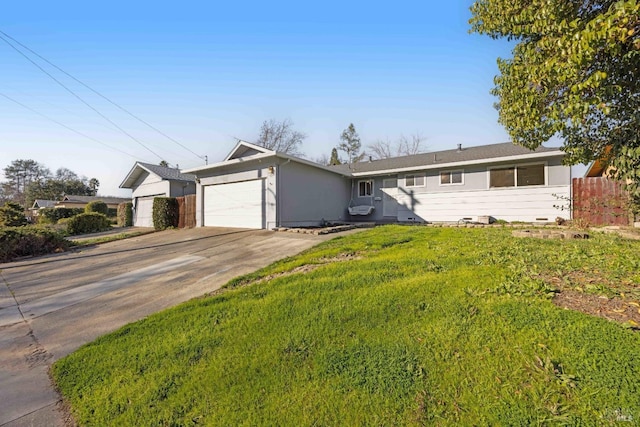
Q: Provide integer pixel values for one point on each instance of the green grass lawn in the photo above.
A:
(389, 326)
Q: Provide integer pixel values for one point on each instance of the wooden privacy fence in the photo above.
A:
(600, 201)
(187, 211)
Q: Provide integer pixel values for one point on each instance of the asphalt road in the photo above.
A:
(50, 306)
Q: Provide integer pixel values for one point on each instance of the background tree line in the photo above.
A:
(280, 136)
(28, 180)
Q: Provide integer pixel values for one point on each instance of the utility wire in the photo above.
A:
(80, 99)
(66, 127)
(103, 96)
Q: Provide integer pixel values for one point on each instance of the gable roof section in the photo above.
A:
(165, 173)
(42, 203)
(246, 149)
(449, 158)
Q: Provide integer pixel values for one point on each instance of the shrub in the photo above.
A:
(12, 215)
(165, 213)
(88, 223)
(125, 214)
(97, 206)
(112, 212)
(53, 215)
(30, 241)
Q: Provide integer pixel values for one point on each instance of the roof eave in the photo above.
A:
(543, 154)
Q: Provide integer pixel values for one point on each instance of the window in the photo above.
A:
(365, 188)
(530, 175)
(450, 177)
(414, 180)
(517, 176)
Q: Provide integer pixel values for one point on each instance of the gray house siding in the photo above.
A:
(470, 199)
(308, 195)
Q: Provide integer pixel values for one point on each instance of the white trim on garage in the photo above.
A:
(236, 204)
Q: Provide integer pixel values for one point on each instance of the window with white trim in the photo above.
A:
(414, 181)
(451, 177)
(517, 176)
(365, 188)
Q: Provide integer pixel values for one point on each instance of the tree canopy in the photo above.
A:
(350, 144)
(575, 73)
(280, 136)
(28, 180)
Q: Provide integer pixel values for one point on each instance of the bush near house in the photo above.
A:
(165, 213)
(125, 214)
(88, 223)
(12, 215)
(29, 241)
(53, 215)
(97, 206)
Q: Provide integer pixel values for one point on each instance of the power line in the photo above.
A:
(66, 127)
(79, 98)
(103, 96)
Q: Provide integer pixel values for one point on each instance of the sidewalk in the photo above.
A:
(114, 231)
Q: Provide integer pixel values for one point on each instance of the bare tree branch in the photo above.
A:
(280, 136)
(404, 146)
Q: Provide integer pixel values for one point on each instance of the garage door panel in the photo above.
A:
(237, 204)
(144, 212)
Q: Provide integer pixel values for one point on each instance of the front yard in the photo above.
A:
(390, 326)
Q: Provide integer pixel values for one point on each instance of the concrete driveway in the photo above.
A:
(50, 306)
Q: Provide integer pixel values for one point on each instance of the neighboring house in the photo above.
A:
(258, 188)
(41, 204)
(148, 181)
(82, 201)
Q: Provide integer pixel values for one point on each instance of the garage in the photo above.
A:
(236, 204)
(144, 212)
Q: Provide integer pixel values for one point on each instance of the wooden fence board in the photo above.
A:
(599, 201)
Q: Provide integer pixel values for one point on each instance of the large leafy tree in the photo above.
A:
(575, 73)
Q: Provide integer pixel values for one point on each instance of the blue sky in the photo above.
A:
(206, 73)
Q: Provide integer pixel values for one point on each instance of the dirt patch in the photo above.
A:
(615, 309)
(310, 267)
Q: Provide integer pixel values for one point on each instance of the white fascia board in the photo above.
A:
(464, 163)
(132, 176)
(250, 145)
(240, 160)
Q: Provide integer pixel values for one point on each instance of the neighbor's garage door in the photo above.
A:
(144, 212)
(237, 204)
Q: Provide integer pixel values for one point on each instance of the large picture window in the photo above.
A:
(365, 188)
(517, 176)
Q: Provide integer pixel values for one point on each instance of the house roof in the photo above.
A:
(87, 199)
(246, 152)
(42, 203)
(244, 149)
(165, 173)
(448, 158)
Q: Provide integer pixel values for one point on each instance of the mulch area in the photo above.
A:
(578, 290)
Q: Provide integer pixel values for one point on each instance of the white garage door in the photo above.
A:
(144, 212)
(238, 204)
